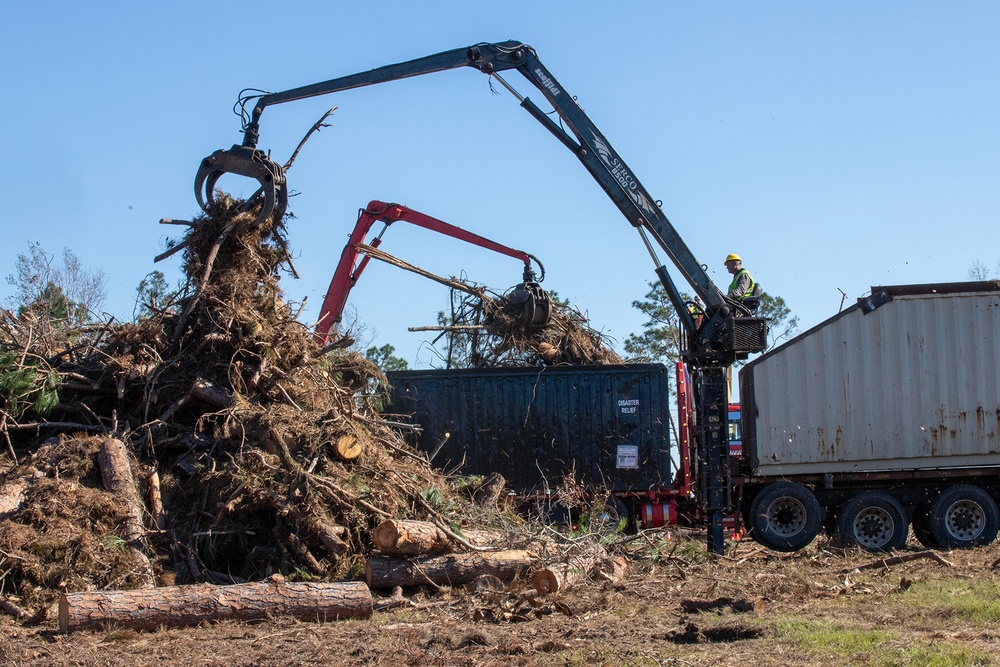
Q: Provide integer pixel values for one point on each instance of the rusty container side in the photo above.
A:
(905, 380)
(605, 426)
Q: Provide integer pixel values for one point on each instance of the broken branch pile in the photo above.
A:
(231, 448)
(486, 331)
(212, 442)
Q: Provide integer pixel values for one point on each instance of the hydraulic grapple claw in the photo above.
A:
(531, 304)
(244, 161)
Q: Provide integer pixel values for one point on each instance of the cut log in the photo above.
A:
(409, 538)
(116, 471)
(576, 566)
(156, 501)
(8, 607)
(348, 447)
(177, 606)
(449, 570)
(329, 534)
(612, 568)
(211, 393)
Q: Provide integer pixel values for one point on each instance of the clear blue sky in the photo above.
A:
(834, 146)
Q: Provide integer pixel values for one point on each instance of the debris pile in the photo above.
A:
(215, 425)
(502, 339)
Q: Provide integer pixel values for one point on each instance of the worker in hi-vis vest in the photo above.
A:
(743, 288)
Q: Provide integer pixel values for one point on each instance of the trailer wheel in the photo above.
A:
(874, 521)
(963, 516)
(785, 516)
(608, 516)
(746, 514)
(920, 521)
(550, 513)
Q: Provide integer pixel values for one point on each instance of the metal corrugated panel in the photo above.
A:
(605, 425)
(911, 384)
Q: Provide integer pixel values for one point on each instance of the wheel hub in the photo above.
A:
(873, 527)
(787, 516)
(966, 520)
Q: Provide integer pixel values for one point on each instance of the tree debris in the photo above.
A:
(213, 443)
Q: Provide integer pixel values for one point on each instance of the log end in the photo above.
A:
(385, 536)
(348, 447)
(63, 614)
(545, 581)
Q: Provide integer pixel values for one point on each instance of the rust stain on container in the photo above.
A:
(893, 384)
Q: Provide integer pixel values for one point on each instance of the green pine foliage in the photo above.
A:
(24, 386)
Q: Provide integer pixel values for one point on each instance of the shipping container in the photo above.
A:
(906, 381)
(883, 417)
(604, 426)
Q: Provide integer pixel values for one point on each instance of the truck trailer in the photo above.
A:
(884, 416)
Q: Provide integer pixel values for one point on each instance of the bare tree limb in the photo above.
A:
(315, 128)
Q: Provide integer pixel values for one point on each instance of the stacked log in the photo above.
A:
(409, 538)
(414, 555)
(448, 570)
(188, 605)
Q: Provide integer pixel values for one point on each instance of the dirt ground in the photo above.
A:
(678, 606)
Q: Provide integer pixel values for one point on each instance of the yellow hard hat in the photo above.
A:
(733, 257)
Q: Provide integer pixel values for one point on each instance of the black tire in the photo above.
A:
(608, 516)
(746, 514)
(785, 516)
(550, 513)
(920, 522)
(963, 516)
(874, 521)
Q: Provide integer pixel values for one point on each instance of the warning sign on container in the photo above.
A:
(628, 456)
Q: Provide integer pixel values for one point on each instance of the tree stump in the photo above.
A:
(176, 606)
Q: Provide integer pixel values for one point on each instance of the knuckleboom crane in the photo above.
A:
(528, 296)
(727, 331)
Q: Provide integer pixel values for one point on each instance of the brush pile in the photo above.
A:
(248, 451)
(486, 332)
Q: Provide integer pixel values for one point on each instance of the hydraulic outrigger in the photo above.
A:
(726, 333)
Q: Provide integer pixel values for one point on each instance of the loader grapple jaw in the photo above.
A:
(244, 161)
(531, 304)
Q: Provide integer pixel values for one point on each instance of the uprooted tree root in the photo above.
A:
(226, 398)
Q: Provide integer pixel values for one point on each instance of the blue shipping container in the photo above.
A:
(606, 426)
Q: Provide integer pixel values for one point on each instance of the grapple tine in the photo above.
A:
(531, 304)
(243, 161)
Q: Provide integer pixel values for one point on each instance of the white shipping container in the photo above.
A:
(907, 380)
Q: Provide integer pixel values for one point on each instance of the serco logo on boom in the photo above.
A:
(549, 84)
(621, 174)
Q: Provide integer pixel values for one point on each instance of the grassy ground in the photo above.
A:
(678, 606)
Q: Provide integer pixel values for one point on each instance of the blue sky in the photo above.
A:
(834, 146)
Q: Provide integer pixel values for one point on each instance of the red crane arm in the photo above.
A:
(349, 269)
